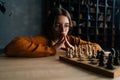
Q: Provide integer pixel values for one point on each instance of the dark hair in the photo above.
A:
(52, 16)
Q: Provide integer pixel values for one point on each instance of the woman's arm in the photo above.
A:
(25, 47)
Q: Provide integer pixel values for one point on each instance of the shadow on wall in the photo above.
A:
(20, 18)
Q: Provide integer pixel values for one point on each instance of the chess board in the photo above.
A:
(92, 65)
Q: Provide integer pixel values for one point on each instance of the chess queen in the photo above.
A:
(55, 37)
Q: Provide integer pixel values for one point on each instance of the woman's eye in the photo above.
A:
(60, 25)
(57, 25)
(67, 25)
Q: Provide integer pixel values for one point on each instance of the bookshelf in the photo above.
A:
(95, 20)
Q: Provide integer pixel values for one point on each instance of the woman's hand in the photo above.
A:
(67, 44)
(59, 43)
(63, 43)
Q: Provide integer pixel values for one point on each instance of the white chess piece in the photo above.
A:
(87, 50)
(76, 51)
(94, 52)
(91, 48)
(71, 53)
(80, 51)
(68, 52)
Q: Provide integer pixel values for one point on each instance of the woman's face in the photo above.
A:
(61, 26)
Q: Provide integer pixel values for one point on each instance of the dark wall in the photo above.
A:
(21, 18)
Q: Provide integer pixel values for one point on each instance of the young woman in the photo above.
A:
(55, 37)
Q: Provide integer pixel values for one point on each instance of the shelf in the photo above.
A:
(96, 20)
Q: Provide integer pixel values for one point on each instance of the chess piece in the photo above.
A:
(71, 56)
(90, 50)
(87, 50)
(71, 53)
(68, 52)
(79, 53)
(119, 54)
(101, 58)
(76, 51)
(83, 50)
(113, 52)
(109, 64)
(98, 54)
(116, 59)
(94, 52)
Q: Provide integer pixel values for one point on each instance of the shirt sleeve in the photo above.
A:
(24, 47)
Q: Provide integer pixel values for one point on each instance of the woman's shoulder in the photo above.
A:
(71, 36)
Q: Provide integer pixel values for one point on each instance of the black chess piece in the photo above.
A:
(112, 52)
(98, 54)
(109, 64)
(101, 58)
(118, 53)
(116, 58)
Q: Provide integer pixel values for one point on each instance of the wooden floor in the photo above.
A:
(47, 68)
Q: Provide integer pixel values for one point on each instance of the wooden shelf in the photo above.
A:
(94, 15)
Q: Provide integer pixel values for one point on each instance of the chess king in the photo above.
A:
(55, 37)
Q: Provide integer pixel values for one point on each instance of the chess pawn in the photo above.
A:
(79, 51)
(83, 53)
(94, 52)
(98, 54)
(71, 56)
(90, 51)
(68, 52)
(113, 52)
(86, 50)
(116, 59)
(119, 54)
(82, 47)
(76, 51)
(71, 53)
(101, 58)
(109, 64)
